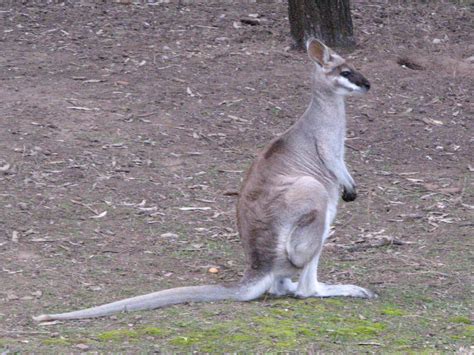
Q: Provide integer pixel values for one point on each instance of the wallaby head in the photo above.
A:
(333, 72)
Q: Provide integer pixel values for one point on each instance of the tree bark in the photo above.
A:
(327, 20)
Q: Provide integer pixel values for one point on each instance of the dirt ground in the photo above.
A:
(117, 117)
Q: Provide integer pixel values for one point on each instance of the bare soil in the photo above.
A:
(115, 118)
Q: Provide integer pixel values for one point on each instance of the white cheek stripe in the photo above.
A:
(347, 84)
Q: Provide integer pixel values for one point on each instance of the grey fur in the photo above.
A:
(286, 205)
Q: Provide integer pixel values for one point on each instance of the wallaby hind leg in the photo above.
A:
(308, 200)
(309, 286)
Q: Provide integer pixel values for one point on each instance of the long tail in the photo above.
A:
(243, 291)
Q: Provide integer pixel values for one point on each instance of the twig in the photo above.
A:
(352, 147)
(30, 332)
(370, 343)
(86, 206)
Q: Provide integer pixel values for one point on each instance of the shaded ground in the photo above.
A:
(113, 117)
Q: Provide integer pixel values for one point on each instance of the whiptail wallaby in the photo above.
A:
(286, 205)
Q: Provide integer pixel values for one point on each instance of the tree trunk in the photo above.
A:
(327, 20)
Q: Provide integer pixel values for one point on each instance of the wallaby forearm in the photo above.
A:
(334, 162)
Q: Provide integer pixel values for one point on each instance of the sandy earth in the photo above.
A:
(115, 117)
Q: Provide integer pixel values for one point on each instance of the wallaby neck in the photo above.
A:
(325, 117)
(317, 139)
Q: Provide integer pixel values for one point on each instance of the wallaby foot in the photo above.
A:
(325, 290)
(282, 286)
(309, 286)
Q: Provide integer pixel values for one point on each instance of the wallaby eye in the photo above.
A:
(346, 73)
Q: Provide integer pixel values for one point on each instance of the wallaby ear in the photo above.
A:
(317, 51)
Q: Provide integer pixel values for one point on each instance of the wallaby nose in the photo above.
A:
(366, 84)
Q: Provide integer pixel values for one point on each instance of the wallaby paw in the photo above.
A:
(349, 195)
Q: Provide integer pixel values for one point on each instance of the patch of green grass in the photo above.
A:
(183, 341)
(468, 332)
(391, 311)
(334, 301)
(152, 331)
(117, 334)
(223, 337)
(397, 322)
(402, 342)
(460, 319)
(284, 326)
(129, 334)
(56, 342)
(366, 330)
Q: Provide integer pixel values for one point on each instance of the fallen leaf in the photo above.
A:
(450, 190)
(238, 119)
(432, 121)
(5, 167)
(169, 235)
(100, 215)
(45, 324)
(414, 180)
(194, 208)
(79, 108)
(444, 190)
(431, 187)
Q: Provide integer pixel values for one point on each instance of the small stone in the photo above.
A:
(12, 297)
(436, 41)
(222, 39)
(470, 59)
(169, 235)
(83, 346)
(213, 270)
(37, 294)
(4, 166)
(250, 21)
(15, 237)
